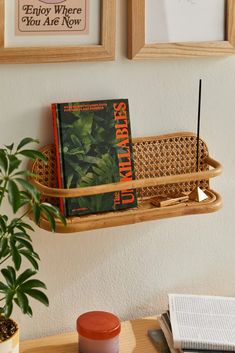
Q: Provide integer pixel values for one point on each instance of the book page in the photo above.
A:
(202, 322)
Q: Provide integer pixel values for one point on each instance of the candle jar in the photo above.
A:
(98, 332)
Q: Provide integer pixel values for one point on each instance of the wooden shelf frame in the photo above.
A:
(166, 176)
(145, 212)
(134, 184)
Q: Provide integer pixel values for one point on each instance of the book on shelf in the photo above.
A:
(158, 340)
(93, 147)
(199, 324)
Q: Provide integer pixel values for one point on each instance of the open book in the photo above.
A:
(202, 322)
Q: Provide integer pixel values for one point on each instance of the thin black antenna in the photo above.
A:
(199, 122)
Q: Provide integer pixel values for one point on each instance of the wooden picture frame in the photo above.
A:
(104, 51)
(138, 49)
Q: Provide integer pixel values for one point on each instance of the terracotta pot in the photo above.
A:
(11, 345)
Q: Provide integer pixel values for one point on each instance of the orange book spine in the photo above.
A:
(56, 138)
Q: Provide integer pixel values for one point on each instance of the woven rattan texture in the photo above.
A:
(169, 156)
(153, 158)
(46, 173)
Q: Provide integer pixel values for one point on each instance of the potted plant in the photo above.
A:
(16, 286)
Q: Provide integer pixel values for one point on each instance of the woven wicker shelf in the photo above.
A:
(164, 165)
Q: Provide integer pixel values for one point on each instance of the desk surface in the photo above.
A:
(133, 339)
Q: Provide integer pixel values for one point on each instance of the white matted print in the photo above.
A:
(37, 17)
(40, 23)
(173, 21)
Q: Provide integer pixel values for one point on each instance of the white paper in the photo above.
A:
(202, 322)
(172, 21)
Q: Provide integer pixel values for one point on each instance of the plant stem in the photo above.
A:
(5, 259)
(24, 214)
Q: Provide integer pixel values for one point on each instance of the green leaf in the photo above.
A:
(34, 254)
(83, 126)
(90, 159)
(4, 249)
(23, 235)
(36, 213)
(49, 216)
(29, 311)
(74, 151)
(80, 171)
(32, 154)
(3, 161)
(24, 276)
(7, 276)
(98, 171)
(10, 147)
(9, 305)
(14, 163)
(55, 211)
(33, 283)
(29, 257)
(12, 273)
(15, 256)
(25, 198)
(25, 142)
(23, 225)
(3, 288)
(13, 195)
(26, 174)
(29, 188)
(62, 218)
(75, 140)
(2, 224)
(22, 301)
(25, 243)
(38, 295)
(69, 180)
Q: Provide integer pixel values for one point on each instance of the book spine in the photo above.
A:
(124, 198)
(57, 144)
(168, 336)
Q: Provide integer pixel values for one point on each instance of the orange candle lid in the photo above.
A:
(98, 325)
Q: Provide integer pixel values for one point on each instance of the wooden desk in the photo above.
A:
(133, 339)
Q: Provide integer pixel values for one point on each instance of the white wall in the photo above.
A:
(129, 270)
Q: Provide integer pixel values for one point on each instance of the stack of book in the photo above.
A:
(199, 324)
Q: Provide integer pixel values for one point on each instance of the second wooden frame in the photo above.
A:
(138, 49)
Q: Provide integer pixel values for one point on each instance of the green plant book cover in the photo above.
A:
(93, 147)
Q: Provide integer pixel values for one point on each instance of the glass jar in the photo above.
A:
(98, 332)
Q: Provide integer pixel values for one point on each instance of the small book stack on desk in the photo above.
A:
(199, 324)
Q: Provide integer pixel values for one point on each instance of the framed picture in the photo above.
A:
(40, 31)
(180, 28)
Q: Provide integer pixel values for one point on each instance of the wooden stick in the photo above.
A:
(167, 201)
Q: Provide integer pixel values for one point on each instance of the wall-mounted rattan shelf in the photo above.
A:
(164, 165)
